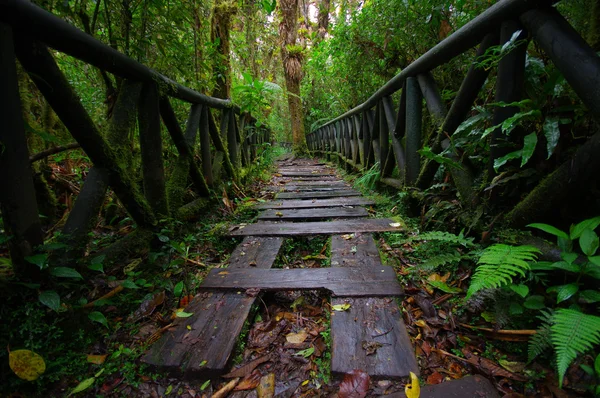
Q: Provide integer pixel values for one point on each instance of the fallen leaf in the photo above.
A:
(26, 364)
(252, 292)
(132, 265)
(222, 393)
(183, 314)
(435, 378)
(413, 389)
(297, 338)
(266, 387)
(354, 385)
(250, 382)
(305, 353)
(341, 307)
(395, 225)
(245, 370)
(371, 347)
(96, 359)
(279, 214)
(148, 307)
(348, 236)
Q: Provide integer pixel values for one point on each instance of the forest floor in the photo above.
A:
(286, 347)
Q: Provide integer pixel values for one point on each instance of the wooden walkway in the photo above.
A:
(313, 200)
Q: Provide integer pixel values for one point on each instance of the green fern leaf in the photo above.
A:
(434, 262)
(573, 333)
(498, 264)
(540, 342)
(445, 237)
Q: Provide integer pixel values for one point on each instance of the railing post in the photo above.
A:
(151, 149)
(355, 120)
(367, 146)
(509, 88)
(17, 192)
(414, 106)
(205, 147)
(384, 138)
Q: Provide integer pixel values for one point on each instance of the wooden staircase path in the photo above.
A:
(201, 346)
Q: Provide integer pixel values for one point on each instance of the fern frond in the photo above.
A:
(431, 264)
(540, 342)
(445, 237)
(572, 333)
(498, 264)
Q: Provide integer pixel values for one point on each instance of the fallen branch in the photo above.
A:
(523, 332)
(57, 149)
(106, 296)
(222, 393)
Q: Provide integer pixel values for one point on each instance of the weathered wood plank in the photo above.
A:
(370, 322)
(318, 194)
(469, 386)
(317, 227)
(322, 213)
(317, 177)
(217, 321)
(343, 282)
(307, 204)
(312, 182)
(307, 174)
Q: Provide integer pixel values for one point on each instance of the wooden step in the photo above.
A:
(327, 183)
(318, 195)
(369, 323)
(469, 386)
(316, 227)
(217, 320)
(296, 188)
(317, 203)
(342, 282)
(313, 214)
(307, 174)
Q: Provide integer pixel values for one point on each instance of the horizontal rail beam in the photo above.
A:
(27, 18)
(458, 42)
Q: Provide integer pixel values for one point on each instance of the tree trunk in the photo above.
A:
(323, 18)
(223, 10)
(292, 67)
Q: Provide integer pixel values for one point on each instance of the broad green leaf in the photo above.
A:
(183, 314)
(39, 259)
(204, 385)
(97, 263)
(529, 144)
(509, 124)
(565, 292)
(50, 299)
(471, 122)
(566, 266)
(549, 229)
(515, 309)
(504, 159)
(577, 230)
(128, 283)
(589, 296)
(569, 257)
(594, 260)
(589, 242)
(306, 353)
(99, 317)
(26, 364)
(521, 290)
(178, 289)
(444, 287)
(341, 307)
(65, 272)
(84, 385)
(534, 302)
(552, 134)
(597, 365)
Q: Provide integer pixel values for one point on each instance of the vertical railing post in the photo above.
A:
(509, 88)
(205, 147)
(153, 169)
(384, 138)
(17, 192)
(414, 109)
(366, 130)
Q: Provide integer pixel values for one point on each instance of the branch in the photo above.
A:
(52, 151)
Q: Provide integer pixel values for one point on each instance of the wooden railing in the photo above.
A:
(25, 32)
(373, 132)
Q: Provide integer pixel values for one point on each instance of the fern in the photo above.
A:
(499, 264)
(540, 341)
(434, 262)
(572, 333)
(445, 237)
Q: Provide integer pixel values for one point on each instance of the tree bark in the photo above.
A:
(292, 67)
(223, 10)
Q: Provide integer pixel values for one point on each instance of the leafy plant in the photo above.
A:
(499, 264)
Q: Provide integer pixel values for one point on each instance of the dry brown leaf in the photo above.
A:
(297, 338)
(354, 385)
(266, 387)
(245, 370)
(96, 359)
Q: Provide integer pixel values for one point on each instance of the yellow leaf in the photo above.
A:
(421, 323)
(26, 364)
(297, 338)
(348, 236)
(413, 390)
(132, 265)
(395, 225)
(96, 359)
(341, 307)
(305, 382)
(279, 214)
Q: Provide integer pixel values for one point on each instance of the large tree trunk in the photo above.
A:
(223, 10)
(323, 18)
(292, 68)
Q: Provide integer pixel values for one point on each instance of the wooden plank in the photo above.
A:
(306, 174)
(218, 319)
(343, 282)
(315, 187)
(317, 177)
(322, 213)
(318, 194)
(369, 321)
(329, 183)
(469, 386)
(316, 203)
(316, 227)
